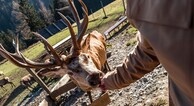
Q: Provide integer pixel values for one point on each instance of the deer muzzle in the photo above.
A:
(95, 79)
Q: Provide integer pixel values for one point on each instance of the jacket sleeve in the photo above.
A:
(139, 62)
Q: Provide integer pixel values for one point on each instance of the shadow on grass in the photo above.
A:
(119, 31)
(30, 97)
(36, 92)
(14, 94)
(105, 18)
(93, 20)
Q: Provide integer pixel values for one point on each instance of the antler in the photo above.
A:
(20, 60)
(81, 26)
(56, 62)
(73, 37)
(52, 50)
(15, 59)
(84, 24)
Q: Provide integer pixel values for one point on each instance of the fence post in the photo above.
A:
(92, 13)
(124, 6)
(37, 78)
(105, 16)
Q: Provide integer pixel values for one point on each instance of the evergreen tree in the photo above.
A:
(34, 21)
(45, 13)
(19, 20)
(61, 6)
(6, 39)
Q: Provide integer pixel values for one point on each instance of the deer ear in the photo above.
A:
(86, 43)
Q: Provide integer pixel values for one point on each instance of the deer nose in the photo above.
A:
(95, 79)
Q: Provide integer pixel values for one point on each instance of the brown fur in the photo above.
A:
(85, 60)
(27, 81)
(95, 48)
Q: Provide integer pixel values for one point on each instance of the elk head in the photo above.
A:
(86, 58)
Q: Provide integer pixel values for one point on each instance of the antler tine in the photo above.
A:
(6, 54)
(73, 37)
(17, 57)
(16, 45)
(84, 24)
(37, 65)
(29, 62)
(1, 47)
(83, 6)
(53, 52)
(46, 48)
(75, 14)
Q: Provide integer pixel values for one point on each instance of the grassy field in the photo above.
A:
(97, 22)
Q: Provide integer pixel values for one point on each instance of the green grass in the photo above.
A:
(114, 10)
(108, 45)
(132, 30)
(132, 42)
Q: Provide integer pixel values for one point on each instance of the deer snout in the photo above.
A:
(95, 79)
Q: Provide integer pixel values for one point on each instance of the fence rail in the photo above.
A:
(54, 28)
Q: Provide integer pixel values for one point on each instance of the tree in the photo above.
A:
(34, 21)
(6, 39)
(20, 21)
(61, 6)
(45, 13)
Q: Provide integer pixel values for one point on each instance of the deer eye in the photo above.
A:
(88, 56)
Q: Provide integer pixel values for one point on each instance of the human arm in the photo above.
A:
(139, 62)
